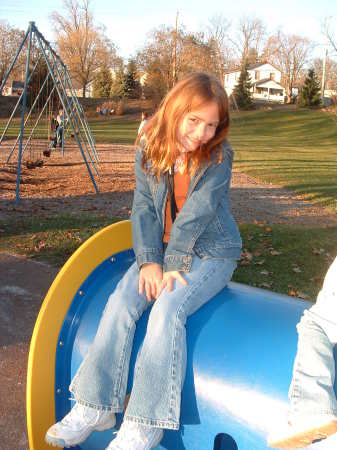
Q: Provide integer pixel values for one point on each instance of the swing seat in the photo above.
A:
(39, 163)
(30, 164)
(241, 347)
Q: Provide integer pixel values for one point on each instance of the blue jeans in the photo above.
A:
(312, 388)
(101, 379)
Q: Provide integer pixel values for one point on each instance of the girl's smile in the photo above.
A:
(198, 127)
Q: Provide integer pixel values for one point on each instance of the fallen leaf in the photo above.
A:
(292, 293)
(275, 253)
(265, 285)
(260, 263)
(297, 270)
(301, 294)
(268, 229)
(265, 272)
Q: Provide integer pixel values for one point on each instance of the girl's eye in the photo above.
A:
(192, 119)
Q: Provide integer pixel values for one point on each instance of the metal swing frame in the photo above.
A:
(72, 109)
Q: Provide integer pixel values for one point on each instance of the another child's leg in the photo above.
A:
(311, 391)
(155, 398)
(313, 405)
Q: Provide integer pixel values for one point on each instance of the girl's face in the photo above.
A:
(197, 127)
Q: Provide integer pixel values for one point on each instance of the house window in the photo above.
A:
(257, 74)
(272, 76)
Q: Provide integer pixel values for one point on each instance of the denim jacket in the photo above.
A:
(204, 226)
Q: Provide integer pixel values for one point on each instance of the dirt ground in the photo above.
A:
(63, 185)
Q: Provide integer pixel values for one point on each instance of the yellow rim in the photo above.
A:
(41, 362)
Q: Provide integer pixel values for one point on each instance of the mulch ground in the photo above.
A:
(63, 185)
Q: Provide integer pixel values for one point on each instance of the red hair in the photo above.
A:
(189, 94)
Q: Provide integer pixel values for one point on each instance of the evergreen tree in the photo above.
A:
(102, 83)
(131, 84)
(310, 94)
(242, 93)
(117, 87)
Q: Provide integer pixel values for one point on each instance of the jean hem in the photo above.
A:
(114, 409)
(155, 423)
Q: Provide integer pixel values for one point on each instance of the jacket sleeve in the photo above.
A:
(198, 211)
(146, 229)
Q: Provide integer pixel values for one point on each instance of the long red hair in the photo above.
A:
(160, 143)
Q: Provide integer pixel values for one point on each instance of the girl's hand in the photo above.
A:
(150, 280)
(169, 277)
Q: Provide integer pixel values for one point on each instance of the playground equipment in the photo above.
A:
(241, 347)
(61, 85)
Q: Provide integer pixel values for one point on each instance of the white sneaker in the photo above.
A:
(303, 432)
(133, 436)
(77, 425)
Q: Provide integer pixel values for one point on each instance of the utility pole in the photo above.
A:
(323, 73)
(174, 68)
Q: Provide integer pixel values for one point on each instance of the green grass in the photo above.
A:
(294, 148)
(284, 259)
(52, 240)
(115, 130)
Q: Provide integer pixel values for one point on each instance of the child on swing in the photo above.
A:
(313, 404)
(187, 245)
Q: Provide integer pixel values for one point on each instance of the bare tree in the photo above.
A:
(289, 53)
(328, 32)
(82, 44)
(330, 72)
(171, 53)
(217, 36)
(10, 39)
(249, 36)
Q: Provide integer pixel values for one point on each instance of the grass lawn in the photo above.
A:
(281, 258)
(294, 148)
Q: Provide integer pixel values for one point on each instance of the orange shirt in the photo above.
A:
(181, 184)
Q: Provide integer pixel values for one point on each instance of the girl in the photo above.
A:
(313, 404)
(186, 245)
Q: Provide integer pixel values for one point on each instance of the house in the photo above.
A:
(14, 88)
(265, 80)
(89, 91)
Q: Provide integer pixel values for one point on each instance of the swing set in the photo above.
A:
(52, 115)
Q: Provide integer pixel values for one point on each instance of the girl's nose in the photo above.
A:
(201, 132)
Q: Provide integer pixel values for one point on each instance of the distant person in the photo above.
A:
(187, 245)
(145, 118)
(313, 404)
(60, 127)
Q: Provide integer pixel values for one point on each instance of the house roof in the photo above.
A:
(250, 67)
(256, 65)
(267, 81)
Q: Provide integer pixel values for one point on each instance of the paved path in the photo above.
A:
(23, 285)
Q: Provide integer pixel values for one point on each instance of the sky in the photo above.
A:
(129, 21)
